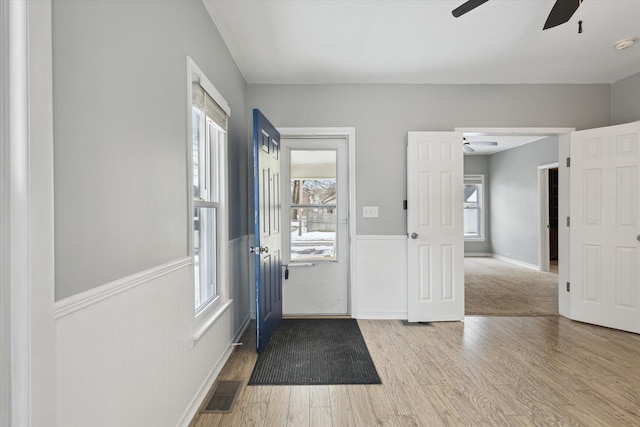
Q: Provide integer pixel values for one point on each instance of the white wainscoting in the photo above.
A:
(252, 276)
(128, 359)
(381, 275)
(241, 282)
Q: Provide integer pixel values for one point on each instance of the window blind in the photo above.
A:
(203, 101)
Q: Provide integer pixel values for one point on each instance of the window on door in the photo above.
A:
(473, 207)
(313, 220)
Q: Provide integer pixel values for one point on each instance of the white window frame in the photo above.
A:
(6, 328)
(477, 180)
(207, 314)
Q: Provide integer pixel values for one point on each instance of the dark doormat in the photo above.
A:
(314, 352)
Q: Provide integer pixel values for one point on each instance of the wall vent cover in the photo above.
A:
(407, 323)
(223, 397)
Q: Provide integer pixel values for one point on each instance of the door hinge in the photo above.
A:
(568, 287)
(568, 221)
(404, 205)
(568, 162)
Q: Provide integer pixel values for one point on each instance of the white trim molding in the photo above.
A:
(29, 249)
(477, 254)
(515, 261)
(515, 131)
(19, 213)
(82, 300)
(5, 226)
(210, 321)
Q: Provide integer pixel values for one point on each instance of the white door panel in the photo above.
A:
(316, 286)
(319, 289)
(605, 204)
(435, 226)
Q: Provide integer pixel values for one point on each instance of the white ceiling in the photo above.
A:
(419, 41)
(505, 142)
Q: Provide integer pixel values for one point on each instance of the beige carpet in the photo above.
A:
(498, 288)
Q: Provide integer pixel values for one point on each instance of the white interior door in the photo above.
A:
(605, 208)
(315, 245)
(435, 226)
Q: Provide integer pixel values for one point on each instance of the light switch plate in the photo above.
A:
(370, 212)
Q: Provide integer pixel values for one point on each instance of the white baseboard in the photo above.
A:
(195, 403)
(516, 262)
(478, 254)
(242, 329)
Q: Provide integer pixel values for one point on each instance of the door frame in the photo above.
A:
(28, 356)
(349, 133)
(543, 216)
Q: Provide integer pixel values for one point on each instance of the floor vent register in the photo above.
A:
(223, 397)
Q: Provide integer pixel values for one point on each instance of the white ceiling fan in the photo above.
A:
(467, 148)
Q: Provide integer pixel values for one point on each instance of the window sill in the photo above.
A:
(202, 327)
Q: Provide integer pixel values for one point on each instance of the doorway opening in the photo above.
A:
(548, 186)
(553, 220)
(518, 183)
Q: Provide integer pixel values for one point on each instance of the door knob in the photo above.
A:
(638, 237)
(414, 236)
(259, 250)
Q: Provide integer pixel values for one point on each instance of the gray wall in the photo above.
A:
(514, 198)
(479, 165)
(120, 130)
(383, 114)
(625, 100)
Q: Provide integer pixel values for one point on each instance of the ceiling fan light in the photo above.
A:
(625, 43)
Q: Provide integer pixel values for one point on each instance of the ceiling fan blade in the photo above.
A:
(467, 7)
(484, 143)
(467, 148)
(561, 12)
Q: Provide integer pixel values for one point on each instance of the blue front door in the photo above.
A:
(267, 211)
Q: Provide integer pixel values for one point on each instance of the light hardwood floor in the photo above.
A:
(506, 371)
